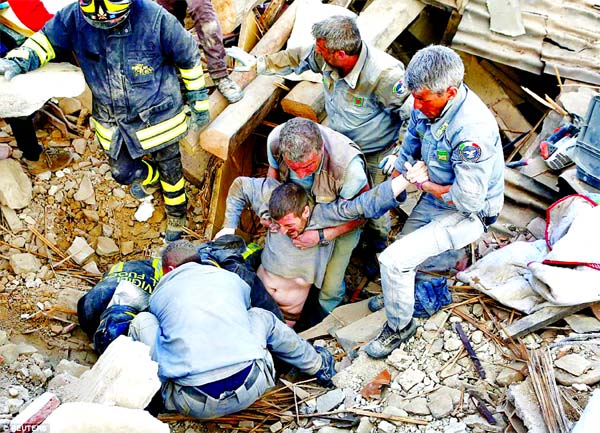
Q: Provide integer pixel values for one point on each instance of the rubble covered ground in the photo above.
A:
(429, 379)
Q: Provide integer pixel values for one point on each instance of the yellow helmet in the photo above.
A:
(105, 14)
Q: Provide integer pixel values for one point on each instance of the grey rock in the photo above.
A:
(442, 401)
(510, 375)
(9, 352)
(400, 359)
(435, 321)
(26, 349)
(329, 429)
(437, 346)
(386, 427)
(14, 404)
(452, 344)
(79, 144)
(526, 406)
(450, 371)
(92, 268)
(417, 406)
(583, 324)
(106, 246)
(274, 428)
(476, 421)
(573, 363)
(364, 426)
(24, 263)
(395, 411)
(331, 400)
(409, 378)
(591, 377)
(3, 338)
(477, 337)
(91, 215)
(69, 105)
(85, 193)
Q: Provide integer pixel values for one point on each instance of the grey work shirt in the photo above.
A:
(365, 105)
(461, 148)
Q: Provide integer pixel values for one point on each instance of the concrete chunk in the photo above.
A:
(574, 364)
(79, 250)
(361, 331)
(24, 263)
(82, 417)
(106, 246)
(12, 219)
(124, 376)
(15, 185)
(583, 324)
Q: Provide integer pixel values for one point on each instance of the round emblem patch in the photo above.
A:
(399, 88)
(470, 152)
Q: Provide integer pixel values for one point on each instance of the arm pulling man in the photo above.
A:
(138, 107)
(456, 135)
(364, 94)
(329, 166)
(285, 270)
(213, 350)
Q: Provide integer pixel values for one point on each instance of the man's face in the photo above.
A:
(293, 225)
(329, 56)
(306, 167)
(432, 104)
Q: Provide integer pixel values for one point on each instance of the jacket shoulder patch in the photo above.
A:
(469, 151)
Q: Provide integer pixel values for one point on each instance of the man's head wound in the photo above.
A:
(298, 138)
(340, 33)
(287, 198)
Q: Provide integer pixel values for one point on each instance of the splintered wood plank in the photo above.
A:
(541, 318)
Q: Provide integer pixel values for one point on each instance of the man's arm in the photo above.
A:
(355, 183)
(369, 204)
(245, 192)
(295, 60)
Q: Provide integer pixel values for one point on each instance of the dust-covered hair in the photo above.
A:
(435, 68)
(298, 138)
(178, 253)
(339, 33)
(287, 198)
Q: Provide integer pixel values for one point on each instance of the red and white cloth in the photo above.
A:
(34, 13)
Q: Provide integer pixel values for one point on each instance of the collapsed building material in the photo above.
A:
(380, 23)
(541, 318)
(541, 372)
(79, 417)
(15, 186)
(510, 120)
(469, 349)
(232, 12)
(123, 376)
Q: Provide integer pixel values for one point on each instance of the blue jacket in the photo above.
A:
(131, 70)
(205, 332)
(461, 148)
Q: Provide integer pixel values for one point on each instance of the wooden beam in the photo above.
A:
(379, 25)
(237, 121)
(271, 42)
(541, 318)
(231, 13)
(509, 118)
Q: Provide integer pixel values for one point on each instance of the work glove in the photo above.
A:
(387, 164)
(198, 100)
(327, 370)
(416, 173)
(9, 68)
(245, 61)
